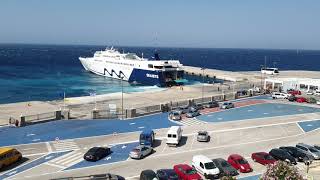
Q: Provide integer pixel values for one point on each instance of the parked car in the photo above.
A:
(310, 149)
(185, 172)
(205, 166)
(140, 152)
(9, 156)
(167, 174)
(148, 175)
(227, 105)
(225, 168)
(294, 92)
(203, 136)
(317, 147)
(199, 106)
(282, 155)
(263, 158)
(192, 114)
(239, 163)
(301, 99)
(212, 104)
(297, 153)
(318, 102)
(278, 95)
(175, 115)
(97, 153)
(292, 98)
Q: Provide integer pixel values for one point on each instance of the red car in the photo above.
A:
(239, 163)
(263, 158)
(186, 172)
(294, 92)
(301, 99)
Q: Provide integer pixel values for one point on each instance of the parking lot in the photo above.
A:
(271, 124)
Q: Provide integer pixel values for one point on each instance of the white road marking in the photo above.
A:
(265, 113)
(300, 127)
(48, 147)
(109, 157)
(309, 125)
(250, 110)
(132, 123)
(141, 127)
(30, 134)
(36, 140)
(12, 173)
(124, 146)
(48, 157)
(55, 165)
(27, 149)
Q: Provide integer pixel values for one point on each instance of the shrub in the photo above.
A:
(281, 171)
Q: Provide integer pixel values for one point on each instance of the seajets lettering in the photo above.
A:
(153, 76)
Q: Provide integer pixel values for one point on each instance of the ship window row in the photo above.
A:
(120, 63)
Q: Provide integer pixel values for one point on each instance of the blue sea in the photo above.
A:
(45, 72)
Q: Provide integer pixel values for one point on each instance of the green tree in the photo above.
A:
(281, 171)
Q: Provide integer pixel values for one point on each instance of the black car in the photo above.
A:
(292, 98)
(225, 168)
(148, 175)
(167, 174)
(97, 153)
(297, 153)
(282, 155)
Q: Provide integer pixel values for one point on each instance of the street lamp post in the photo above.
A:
(121, 97)
(261, 66)
(202, 83)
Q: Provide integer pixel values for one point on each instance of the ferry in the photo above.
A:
(134, 69)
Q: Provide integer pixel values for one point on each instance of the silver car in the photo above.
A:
(175, 115)
(314, 152)
(140, 152)
(227, 105)
(203, 136)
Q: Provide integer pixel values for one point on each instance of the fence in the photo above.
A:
(106, 113)
(38, 118)
(148, 110)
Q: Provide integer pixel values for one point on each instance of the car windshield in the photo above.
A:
(268, 157)
(176, 114)
(92, 150)
(136, 150)
(209, 165)
(191, 171)
(242, 161)
(202, 134)
(314, 150)
(225, 164)
(172, 175)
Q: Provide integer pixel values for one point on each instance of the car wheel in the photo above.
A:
(20, 157)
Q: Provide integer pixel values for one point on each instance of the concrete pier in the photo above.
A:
(219, 74)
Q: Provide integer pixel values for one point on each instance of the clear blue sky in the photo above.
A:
(288, 24)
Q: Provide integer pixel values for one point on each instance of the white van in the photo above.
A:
(174, 135)
(270, 71)
(205, 166)
(278, 95)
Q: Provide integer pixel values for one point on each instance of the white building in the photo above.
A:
(283, 84)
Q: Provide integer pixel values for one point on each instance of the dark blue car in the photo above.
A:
(167, 174)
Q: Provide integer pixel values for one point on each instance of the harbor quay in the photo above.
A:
(146, 102)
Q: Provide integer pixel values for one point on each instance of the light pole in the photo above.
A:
(261, 66)
(202, 83)
(122, 97)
